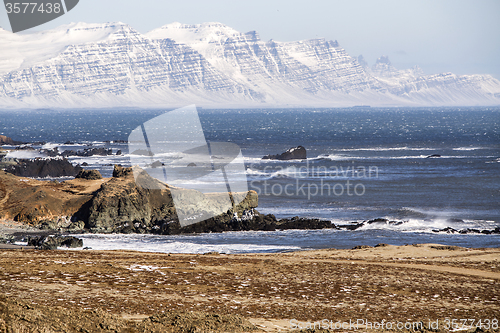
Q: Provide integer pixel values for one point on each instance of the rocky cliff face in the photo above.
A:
(211, 64)
(114, 204)
(5, 140)
(306, 66)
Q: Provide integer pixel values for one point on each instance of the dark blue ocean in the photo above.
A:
(362, 164)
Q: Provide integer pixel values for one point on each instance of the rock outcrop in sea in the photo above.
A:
(122, 206)
(295, 153)
(53, 242)
(88, 152)
(40, 168)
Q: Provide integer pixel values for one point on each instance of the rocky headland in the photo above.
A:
(92, 203)
(5, 140)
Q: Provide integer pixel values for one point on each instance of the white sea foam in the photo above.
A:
(24, 154)
(174, 244)
(389, 149)
(337, 157)
(413, 230)
(468, 148)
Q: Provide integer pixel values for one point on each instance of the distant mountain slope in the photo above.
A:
(98, 65)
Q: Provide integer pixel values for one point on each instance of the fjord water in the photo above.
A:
(429, 168)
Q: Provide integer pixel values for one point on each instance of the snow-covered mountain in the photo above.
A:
(99, 65)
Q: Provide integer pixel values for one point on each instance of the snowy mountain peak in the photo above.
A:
(24, 50)
(189, 33)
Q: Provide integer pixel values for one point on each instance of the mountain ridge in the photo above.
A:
(211, 64)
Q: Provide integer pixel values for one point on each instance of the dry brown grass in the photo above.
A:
(391, 283)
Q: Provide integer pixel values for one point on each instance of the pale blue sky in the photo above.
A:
(461, 36)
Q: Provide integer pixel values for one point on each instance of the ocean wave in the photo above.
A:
(413, 225)
(285, 240)
(171, 244)
(409, 149)
(389, 149)
(337, 157)
(468, 148)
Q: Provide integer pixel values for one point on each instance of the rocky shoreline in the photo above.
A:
(92, 204)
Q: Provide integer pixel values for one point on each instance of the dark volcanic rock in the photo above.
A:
(296, 153)
(120, 205)
(53, 242)
(89, 174)
(44, 168)
(304, 223)
(360, 247)
(378, 220)
(471, 231)
(70, 241)
(88, 152)
(384, 221)
(257, 221)
(223, 222)
(450, 230)
(352, 226)
(50, 152)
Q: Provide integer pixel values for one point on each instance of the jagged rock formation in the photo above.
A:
(121, 205)
(5, 140)
(89, 174)
(212, 64)
(88, 152)
(44, 168)
(295, 153)
(53, 242)
(118, 205)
